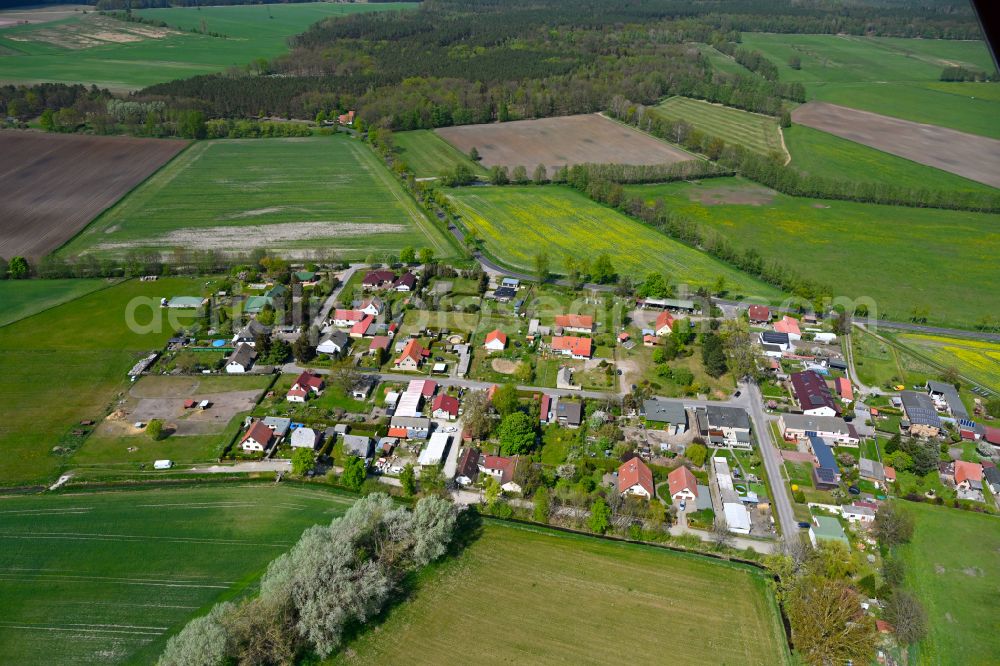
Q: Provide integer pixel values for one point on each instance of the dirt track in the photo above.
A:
(556, 142)
(968, 155)
(53, 185)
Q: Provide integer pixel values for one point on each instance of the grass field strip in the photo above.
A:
(82, 536)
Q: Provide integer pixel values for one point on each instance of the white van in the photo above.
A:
(163, 464)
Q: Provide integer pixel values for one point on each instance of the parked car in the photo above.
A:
(805, 525)
(737, 394)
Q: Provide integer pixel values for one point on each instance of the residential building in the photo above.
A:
(921, 419)
(759, 314)
(372, 306)
(241, 360)
(858, 514)
(826, 473)
(363, 387)
(405, 282)
(683, 485)
(415, 427)
(946, 398)
(991, 477)
(872, 470)
(968, 476)
(258, 438)
(357, 445)
(790, 326)
(545, 409)
(248, 334)
(363, 328)
(827, 528)
(504, 294)
(736, 514)
(496, 341)
(812, 394)
(379, 279)
(346, 318)
(305, 384)
(664, 323)
(502, 469)
(279, 425)
(833, 428)
(569, 413)
(575, 323)
(468, 467)
(635, 478)
(334, 343)
(844, 389)
(445, 407)
(412, 357)
(304, 438)
(728, 427)
(578, 348)
(671, 413)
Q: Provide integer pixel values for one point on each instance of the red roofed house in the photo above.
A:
(378, 279)
(649, 340)
(812, 394)
(890, 474)
(427, 390)
(683, 485)
(545, 408)
(664, 323)
(347, 317)
(790, 326)
(305, 384)
(346, 118)
(993, 436)
(576, 323)
(634, 478)
(623, 337)
(402, 433)
(445, 407)
(968, 475)
(844, 388)
(412, 356)
(406, 282)
(496, 341)
(379, 342)
(257, 438)
(568, 345)
(759, 314)
(502, 469)
(360, 329)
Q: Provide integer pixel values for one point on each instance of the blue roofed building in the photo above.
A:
(826, 474)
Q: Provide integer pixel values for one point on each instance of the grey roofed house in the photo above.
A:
(991, 475)
(664, 411)
(278, 424)
(871, 469)
(571, 412)
(358, 445)
(704, 499)
(339, 338)
(950, 396)
(919, 409)
(250, 332)
(727, 417)
(243, 356)
(837, 363)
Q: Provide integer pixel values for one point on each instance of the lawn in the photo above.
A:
(976, 359)
(23, 298)
(429, 155)
(67, 363)
(963, 628)
(517, 222)
(757, 132)
(818, 153)
(899, 258)
(288, 195)
(105, 578)
(39, 51)
(893, 76)
(573, 599)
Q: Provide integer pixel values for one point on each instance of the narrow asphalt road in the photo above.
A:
(772, 462)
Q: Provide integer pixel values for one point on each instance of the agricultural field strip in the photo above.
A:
(755, 131)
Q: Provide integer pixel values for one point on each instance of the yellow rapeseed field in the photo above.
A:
(977, 359)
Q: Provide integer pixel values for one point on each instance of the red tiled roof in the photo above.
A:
(634, 472)
(379, 342)
(398, 432)
(576, 346)
(429, 384)
(787, 325)
(504, 464)
(844, 388)
(966, 470)
(682, 479)
(496, 335)
(543, 411)
(378, 277)
(811, 391)
(575, 321)
(260, 432)
(623, 336)
(413, 350)
(448, 403)
(890, 473)
(993, 436)
(759, 313)
(664, 319)
(362, 326)
(348, 315)
(309, 380)
(297, 392)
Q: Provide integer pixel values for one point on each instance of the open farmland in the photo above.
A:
(517, 222)
(82, 351)
(429, 155)
(572, 599)
(978, 360)
(967, 155)
(106, 577)
(903, 258)
(54, 184)
(23, 298)
(110, 53)
(753, 131)
(962, 627)
(291, 196)
(892, 76)
(565, 141)
(824, 155)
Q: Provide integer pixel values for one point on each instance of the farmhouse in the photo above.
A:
(241, 359)
(635, 478)
(789, 326)
(503, 470)
(258, 437)
(946, 398)
(412, 357)
(381, 279)
(664, 323)
(812, 394)
(468, 467)
(495, 341)
(304, 438)
(729, 427)
(683, 485)
(575, 323)
(668, 412)
(334, 344)
(834, 428)
(445, 407)
(921, 417)
(410, 427)
(759, 314)
(578, 348)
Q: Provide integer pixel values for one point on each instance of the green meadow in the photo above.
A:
(23, 298)
(289, 195)
(429, 155)
(756, 132)
(516, 222)
(903, 258)
(107, 577)
(46, 52)
(892, 76)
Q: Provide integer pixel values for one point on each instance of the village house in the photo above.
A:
(683, 485)
(405, 283)
(667, 413)
(862, 515)
(635, 478)
(346, 318)
(569, 413)
(826, 472)
(812, 394)
(335, 343)
(827, 528)
(445, 407)
(363, 328)
(258, 438)
(378, 343)
(991, 477)
(833, 428)
(378, 279)
(759, 314)
(921, 419)
(946, 399)
(503, 470)
(241, 360)
(728, 427)
(304, 385)
(871, 470)
(410, 427)
(574, 347)
(372, 306)
(304, 438)
(774, 344)
(468, 467)
(496, 341)
(248, 334)
(363, 387)
(664, 323)
(412, 357)
(844, 389)
(968, 476)
(789, 326)
(575, 323)
(357, 445)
